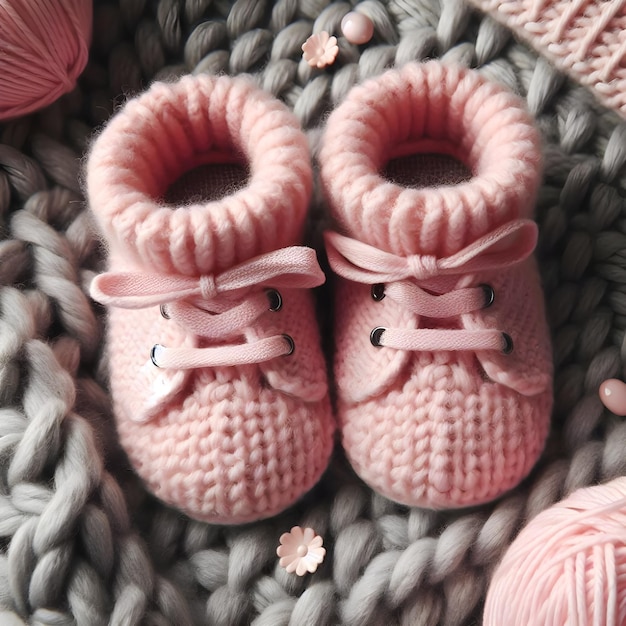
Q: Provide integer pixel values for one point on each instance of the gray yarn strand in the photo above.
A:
(42, 548)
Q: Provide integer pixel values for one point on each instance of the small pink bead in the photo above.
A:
(357, 28)
(613, 396)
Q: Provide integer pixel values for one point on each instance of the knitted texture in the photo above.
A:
(82, 541)
(586, 38)
(437, 428)
(216, 442)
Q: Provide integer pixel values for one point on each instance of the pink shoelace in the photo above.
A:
(425, 285)
(216, 307)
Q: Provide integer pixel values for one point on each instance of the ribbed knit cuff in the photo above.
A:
(173, 128)
(429, 108)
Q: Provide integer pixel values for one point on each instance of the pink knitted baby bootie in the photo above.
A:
(443, 362)
(219, 386)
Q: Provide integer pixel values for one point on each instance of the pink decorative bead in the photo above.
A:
(613, 396)
(357, 28)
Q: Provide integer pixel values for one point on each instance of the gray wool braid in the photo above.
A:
(83, 544)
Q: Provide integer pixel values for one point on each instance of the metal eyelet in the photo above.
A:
(508, 343)
(275, 300)
(164, 313)
(378, 291)
(153, 354)
(376, 335)
(291, 343)
(490, 295)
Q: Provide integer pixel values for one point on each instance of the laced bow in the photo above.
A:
(425, 285)
(216, 307)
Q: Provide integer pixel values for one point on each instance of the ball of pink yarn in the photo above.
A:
(44, 46)
(568, 566)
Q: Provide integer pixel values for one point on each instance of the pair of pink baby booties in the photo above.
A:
(442, 363)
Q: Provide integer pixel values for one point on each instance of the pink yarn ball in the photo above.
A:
(44, 46)
(568, 566)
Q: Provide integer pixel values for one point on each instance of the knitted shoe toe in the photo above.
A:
(444, 439)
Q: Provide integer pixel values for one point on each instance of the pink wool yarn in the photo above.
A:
(44, 47)
(568, 566)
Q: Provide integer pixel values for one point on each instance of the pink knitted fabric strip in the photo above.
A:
(586, 38)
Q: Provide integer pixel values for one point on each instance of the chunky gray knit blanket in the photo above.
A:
(81, 541)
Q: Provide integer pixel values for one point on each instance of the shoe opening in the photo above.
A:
(206, 183)
(418, 171)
